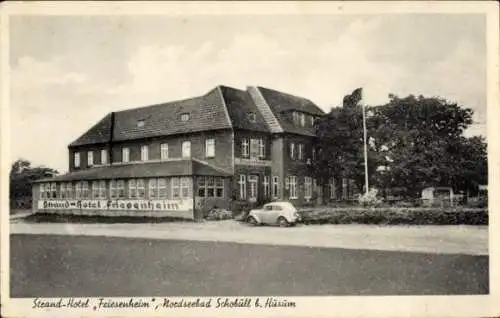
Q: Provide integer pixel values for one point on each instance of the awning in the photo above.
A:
(186, 167)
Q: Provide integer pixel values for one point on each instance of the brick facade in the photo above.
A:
(252, 139)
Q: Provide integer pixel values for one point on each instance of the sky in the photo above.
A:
(67, 72)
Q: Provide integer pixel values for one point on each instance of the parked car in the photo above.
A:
(276, 213)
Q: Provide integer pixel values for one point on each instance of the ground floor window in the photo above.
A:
(62, 191)
(210, 187)
(307, 187)
(276, 187)
(253, 182)
(266, 186)
(243, 186)
(85, 190)
(113, 193)
(120, 185)
(292, 184)
(102, 189)
(95, 190)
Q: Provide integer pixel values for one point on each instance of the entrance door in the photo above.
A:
(253, 181)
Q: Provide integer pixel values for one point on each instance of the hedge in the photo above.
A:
(409, 216)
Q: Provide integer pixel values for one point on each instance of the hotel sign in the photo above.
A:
(129, 205)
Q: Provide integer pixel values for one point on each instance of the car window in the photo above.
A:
(277, 208)
(268, 207)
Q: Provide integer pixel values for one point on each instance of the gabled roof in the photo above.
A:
(221, 108)
(206, 112)
(99, 133)
(187, 167)
(239, 104)
(282, 104)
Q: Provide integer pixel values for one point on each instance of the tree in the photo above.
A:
(414, 142)
(340, 142)
(421, 141)
(22, 176)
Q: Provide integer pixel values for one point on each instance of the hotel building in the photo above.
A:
(186, 157)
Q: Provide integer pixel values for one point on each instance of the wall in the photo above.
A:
(239, 135)
(296, 167)
(83, 155)
(223, 147)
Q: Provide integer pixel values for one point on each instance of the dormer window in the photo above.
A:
(302, 119)
(140, 123)
(252, 117)
(185, 117)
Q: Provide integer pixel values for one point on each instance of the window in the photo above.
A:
(113, 194)
(254, 148)
(141, 189)
(185, 117)
(90, 158)
(85, 190)
(62, 192)
(276, 187)
(243, 186)
(201, 187)
(77, 160)
(314, 153)
(42, 190)
(102, 189)
(210, 148)
(140, 123)
(219, 187)
(307, 187)
(95, 190)
(175, 187)
(164, 151)
(186, 187)
(157, 188)
(265, 183)
(300, 148)
(53, 190)
(293, 187)
(104, 156)
(312, 120)
(244, 147)
(144, 153)
(253, 181)
(302, 119)
(132, 189)
(210, 187)
(69, 190)
(262, 149)
(251, 117)
(186, 149)
(295, 116)
(120, 185)
(153, 188)
(162, 188)
(78, 190)
(292, 150)
(125, 154)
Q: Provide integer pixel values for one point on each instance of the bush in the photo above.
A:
(219, 214)
(408, 216)
(370, 198)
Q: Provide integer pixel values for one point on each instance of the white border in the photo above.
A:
(435, 306)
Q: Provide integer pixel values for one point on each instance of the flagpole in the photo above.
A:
(365, 148)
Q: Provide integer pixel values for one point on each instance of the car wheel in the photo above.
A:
(252, 221)
(282, 222)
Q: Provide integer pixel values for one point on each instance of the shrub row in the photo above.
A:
(409, 216)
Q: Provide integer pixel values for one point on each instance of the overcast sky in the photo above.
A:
(68, 72)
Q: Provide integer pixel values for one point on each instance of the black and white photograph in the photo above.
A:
(266, 159)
